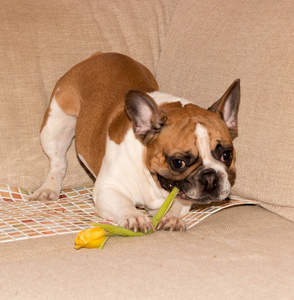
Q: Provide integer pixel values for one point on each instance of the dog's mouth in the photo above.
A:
(205, 198)
(168, 185)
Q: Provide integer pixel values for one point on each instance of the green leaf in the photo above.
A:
(165, 207)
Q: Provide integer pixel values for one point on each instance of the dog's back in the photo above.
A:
(94, 90)
(88, 102)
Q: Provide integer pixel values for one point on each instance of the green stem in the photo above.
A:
(165, 207)
(106, 239)
(117, 230)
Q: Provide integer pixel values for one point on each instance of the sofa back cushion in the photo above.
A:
(210, 44)
(40, 41)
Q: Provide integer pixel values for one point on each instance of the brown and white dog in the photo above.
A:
(138, 142)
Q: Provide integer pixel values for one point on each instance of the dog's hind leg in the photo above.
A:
(57, 132)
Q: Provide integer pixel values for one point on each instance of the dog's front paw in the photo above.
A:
(171, 223)
(137, 222)
(44, 194)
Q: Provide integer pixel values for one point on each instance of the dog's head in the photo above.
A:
(187, 146)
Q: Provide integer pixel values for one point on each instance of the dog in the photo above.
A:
(138, 142)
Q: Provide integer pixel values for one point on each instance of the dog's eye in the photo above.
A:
(226, 156)
(178, 163)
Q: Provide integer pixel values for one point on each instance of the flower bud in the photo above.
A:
(90, 238)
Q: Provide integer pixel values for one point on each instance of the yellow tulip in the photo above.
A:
(96, 237)
(90, 238)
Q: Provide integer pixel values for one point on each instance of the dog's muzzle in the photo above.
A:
(201, 187)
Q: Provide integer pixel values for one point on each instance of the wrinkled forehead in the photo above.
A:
(216, 132)
(185, 129)
(206, 144)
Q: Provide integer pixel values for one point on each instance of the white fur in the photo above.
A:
(123, 181)
(203, 145)
(56, 137)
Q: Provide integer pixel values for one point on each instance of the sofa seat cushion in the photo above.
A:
(241, 252)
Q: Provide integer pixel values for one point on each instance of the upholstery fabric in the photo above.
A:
(239, 253)
(210, 44)
(196, 49)
(40, 41)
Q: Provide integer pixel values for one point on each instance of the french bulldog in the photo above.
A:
(138, 142)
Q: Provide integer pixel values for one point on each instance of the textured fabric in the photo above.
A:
(239, 253)
(200, 47)
(40, 41)
(210, 44)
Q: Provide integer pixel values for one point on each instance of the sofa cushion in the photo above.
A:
(239, 253)
(210, 44)
(40, 41)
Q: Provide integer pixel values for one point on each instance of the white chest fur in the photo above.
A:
(124, 180)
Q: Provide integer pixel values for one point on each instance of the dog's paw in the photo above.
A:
(44, 194)
(137, 222)
(171, 223)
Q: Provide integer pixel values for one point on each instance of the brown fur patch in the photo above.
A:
(119, 127)
(94, 91)
(69, 100)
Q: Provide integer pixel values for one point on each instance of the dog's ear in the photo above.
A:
(146, 116)
(227, 107)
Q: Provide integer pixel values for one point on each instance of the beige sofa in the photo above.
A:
(195, 49)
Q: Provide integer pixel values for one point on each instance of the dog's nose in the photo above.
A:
(209, 180)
